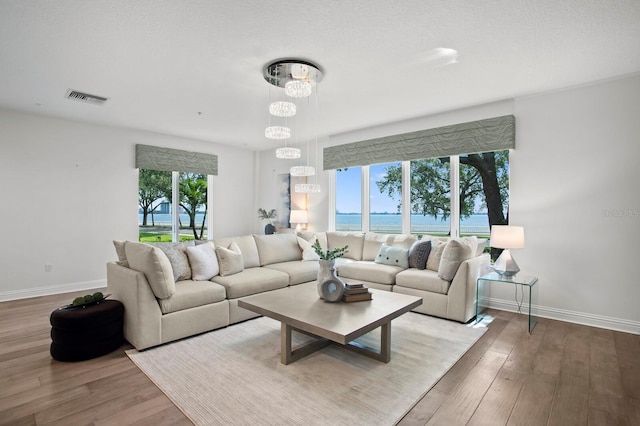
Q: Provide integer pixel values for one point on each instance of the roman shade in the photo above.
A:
(491, 134)
(175, 160)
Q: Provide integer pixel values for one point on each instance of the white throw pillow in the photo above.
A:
(308, 252)
(230, 260)
(154, 264)
(455, 252)
(394, 256)
(203, 261)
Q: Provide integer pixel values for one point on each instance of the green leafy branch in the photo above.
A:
(329, 254)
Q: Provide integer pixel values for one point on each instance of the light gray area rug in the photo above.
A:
(233, 376)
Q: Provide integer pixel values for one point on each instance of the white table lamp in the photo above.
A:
(300, 217)
(506, 237)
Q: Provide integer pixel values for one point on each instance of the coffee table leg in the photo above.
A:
(385, 342)
(285, 344)
(287, 354)
(384, 355)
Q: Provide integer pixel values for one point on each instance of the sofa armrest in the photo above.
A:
(142, 313)
(462, 292)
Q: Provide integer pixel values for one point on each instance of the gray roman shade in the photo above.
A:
(175, 160)
(491, 134)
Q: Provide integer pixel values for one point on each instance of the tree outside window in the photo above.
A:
(156, 212)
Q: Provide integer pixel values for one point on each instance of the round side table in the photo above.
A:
(87, 332)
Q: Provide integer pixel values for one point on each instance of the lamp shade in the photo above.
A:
(299, 216)
(507, 236)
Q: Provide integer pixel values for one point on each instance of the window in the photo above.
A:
(385, 198)
(155, 215)
(431, 196)
(349, 199)
(483, 188)
(484, 192)
(193, 206)
(156, 218)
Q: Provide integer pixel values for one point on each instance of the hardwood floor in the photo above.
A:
(561, 374)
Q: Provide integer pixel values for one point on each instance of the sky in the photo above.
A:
(348, 189)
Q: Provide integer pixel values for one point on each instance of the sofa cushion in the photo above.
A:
(277, 248)
(369, 271)
(229, 259)
(422, 279)
(177, 254)
(394, 256)
(252, 281)
(437, 247)
(355, 241)
(203, 261)
(455, 252)
(299, 272)
(154, 264)
(402, 240)
(190, 294)
(247, 246)
(419, 253)
(308, 252)
(372, 244)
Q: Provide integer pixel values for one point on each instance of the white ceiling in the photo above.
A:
(160, 62)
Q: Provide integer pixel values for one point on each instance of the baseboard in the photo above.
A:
(583, 318)
(5, 296)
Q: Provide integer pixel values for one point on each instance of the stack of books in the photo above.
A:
(355, 292)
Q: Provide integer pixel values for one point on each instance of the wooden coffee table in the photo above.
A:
(299, 308)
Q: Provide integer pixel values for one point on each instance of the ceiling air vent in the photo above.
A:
(85, 97)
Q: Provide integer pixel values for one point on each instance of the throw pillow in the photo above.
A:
(455, 252)
(155, 265)
(482, 242)
(230, 260)
(308, 253)
(437, 247)
(395, 256)
(122, 256)
(176, 252)
(419, 253)
(203, 261)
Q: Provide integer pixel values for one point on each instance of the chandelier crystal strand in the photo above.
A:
(282, 109)
(315, 187)
(297, 89)
(277, 132)
(302, 171)
(288, 153)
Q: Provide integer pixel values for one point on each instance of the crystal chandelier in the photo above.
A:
(307, 187)
(288, 153)
(302, 171)
(277, 132)
(298, 79)
(297, 89)
(282, 109)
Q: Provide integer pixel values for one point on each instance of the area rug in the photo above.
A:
(233, 376)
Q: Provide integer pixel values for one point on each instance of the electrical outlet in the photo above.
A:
(48, 267)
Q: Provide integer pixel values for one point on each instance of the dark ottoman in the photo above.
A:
(84, 333)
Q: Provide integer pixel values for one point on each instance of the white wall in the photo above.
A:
(576, 158)
(69, 189)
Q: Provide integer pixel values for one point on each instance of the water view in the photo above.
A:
(477, 224)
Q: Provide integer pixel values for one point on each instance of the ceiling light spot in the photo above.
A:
(441, 56)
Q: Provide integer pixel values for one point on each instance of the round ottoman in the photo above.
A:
(84, 333)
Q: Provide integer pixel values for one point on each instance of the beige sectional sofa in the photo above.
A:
(175, 290)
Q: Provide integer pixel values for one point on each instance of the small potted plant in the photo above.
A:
(270, 216)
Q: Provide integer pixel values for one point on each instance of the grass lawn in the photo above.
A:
(160, 237)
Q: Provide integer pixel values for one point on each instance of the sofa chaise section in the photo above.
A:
(145, 324)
